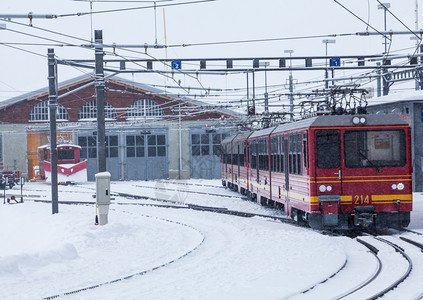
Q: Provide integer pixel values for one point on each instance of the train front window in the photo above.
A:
(327, 149)
(65, 155)
(374, 148)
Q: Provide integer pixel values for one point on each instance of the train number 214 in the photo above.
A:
(361, 199)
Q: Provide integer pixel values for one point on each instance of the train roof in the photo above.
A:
(228, 139)
(321, 121)
(239, 136)
(342, 121)
(263, 132)
(243, 135)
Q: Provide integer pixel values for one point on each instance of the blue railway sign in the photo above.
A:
(176, 64)
(335, 62)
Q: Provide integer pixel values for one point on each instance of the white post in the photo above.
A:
(102, 181)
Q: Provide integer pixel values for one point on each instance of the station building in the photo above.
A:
(150, 134)
(410, 107)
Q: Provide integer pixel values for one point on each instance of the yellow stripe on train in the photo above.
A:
(377, 199)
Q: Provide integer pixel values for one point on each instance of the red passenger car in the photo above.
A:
(339, 172)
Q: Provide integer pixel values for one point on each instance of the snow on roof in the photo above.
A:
(396, 98)
(124, 81)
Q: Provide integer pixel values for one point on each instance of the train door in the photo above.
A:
(257, 148)
(286, 162)
(247, 163)
(285, 150)
(328, 163)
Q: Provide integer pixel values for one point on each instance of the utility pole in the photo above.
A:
(385, 84)
(99, 88)
(52, 97)
(291, 86)
(379, 80)
(254, 92)
(384, 6)
(417, 85)
(266, 94)
(330, 41)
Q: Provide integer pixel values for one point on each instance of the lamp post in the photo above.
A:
(384, 6)
(326, 42)
(266, 95)
(291, 87)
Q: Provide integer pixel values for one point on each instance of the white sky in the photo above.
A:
(222, 20)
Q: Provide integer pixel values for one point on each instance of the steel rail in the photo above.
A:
(402, 278)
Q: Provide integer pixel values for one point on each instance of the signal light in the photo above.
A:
(251, 110)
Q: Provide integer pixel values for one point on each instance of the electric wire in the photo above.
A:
(68, 44)
(130, 9)
(385, 36)
(387, 9)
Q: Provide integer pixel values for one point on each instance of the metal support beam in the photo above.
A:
(99, 88)
(52, 97)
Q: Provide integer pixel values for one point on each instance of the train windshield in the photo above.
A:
(65, 154)
(374, 148)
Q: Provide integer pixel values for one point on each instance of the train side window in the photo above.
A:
(253, 155)
(243, 149)
(282, 154)
(305, 149)
(293, 155)
(266, 154)
(327, 149)
(276, 153)
(299, 153)
(272, 154)
(262, 154)
(237, 148)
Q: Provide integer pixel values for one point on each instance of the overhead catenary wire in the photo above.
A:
(355, 15)
(181, 72)
(131, 8)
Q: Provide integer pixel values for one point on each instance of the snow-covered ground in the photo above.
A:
(149, 252)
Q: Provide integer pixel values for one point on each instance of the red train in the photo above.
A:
(334, 171)
(70, 168)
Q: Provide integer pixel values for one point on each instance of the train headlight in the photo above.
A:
(356, 120)
(322, 188)
(328, 188)
(400, 186)
(359, 120)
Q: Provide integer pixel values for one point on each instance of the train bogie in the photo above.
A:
(338, 172)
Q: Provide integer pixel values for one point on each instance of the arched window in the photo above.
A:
(89, 111)
(144, 108)
(40, 112)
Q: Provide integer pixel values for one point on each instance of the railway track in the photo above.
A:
(384, 278)
(141, 272)
(402, 277)
(190, 184)
(188, 191)
(220, 210)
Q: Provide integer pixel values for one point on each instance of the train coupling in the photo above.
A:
(364, 216)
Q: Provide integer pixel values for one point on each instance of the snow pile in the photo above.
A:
(147, 252)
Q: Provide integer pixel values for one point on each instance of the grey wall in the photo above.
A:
(14, 147)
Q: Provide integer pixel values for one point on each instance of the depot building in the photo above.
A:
(150, 134)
